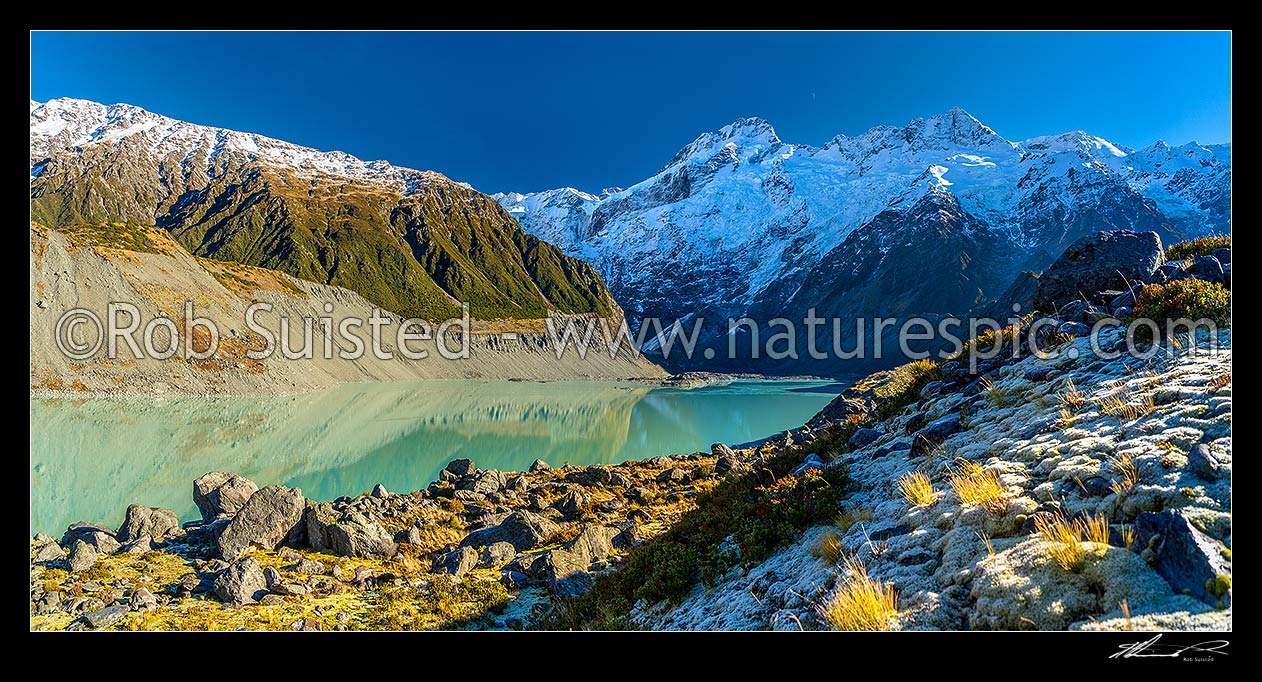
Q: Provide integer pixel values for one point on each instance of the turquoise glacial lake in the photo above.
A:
(92, 457)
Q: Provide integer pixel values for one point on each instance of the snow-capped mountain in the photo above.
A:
(413, 242)
(741, 222)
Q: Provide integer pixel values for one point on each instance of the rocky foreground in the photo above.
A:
(479, 548)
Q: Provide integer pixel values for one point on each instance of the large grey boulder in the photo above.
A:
(82, 530)
(221, 493)
(457, 562)
(1114, 260)
(242, 582)
(346, 534)
(152, 521)
(460, 467)
(270, 518)
(1188, 559)
(522, 529)
(82, 556)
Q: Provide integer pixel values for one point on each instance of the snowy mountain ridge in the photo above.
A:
(753, 215)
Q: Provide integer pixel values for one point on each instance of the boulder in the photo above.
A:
(726, 464)
(673, 475)
(522, 529)
(346, 534)
(270, 518)
(461, 467)
(1189, 560)
(865, 436)
(594, 543)
(487, 482)
(1207, 268)
(497, 554)
(1223, 255)
(539, 465)
(1203, 463)
(221, 493)
(104, 543)
(379, 491)
(1114, 259)
(49, 551)
(572, 504)
(813, 461)
(457, 562)
(142, 600)
(939, 429)
(82, 556)
(82, 530)
(566, 573)
(307, 566)
(591, 477)
(272, 577)
(242, 582)
(152, 521)
(100, 619)
(1073, 329)
(721, 450)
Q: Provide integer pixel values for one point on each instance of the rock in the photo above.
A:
(527, 564)
(940, 429)
(813, 461)
(1040, 373)
(152, 521)
(640, 494)
(497, 554)
(271, 600)
(290, 589)
(103, 543)
(566, 573)
(726, 464)
(1203, 463)
(721, 450)
(1096, 486)
(591, 477)
(539, 465)
(1074, 311)
(379, 491)
(896, 446)
(1187, 558)
(82, 557)
(673, 475)
(307, 566)
(572, 504)
(660, 462)
(1073, 329)
(514, 580)
(101, 619)
(864, 436)
(469, 496)
(348, 534)
(488, 482)
(1207, 268)
(82, 530)
(457, 562)
(594, 542)
(461, 467)
(142, 600)
(1127, 298)
(221, 493)
(411, 536)
(49, 551)
(242, 582)
(522, 529)
(1223, 255)
(1105, 260)
(207, 533)
(915, 556)
(839, 409)
(272, 577)
(306, 625)
(270, 518)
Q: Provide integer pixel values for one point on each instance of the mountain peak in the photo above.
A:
(741, 138)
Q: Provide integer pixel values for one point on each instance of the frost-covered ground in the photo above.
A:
(936, 555)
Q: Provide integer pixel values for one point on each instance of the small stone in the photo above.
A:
(272, 577)
(50, 551)
(673, 475)
(142, 600)
(1203, 463)
(310, 567)
(863, 437)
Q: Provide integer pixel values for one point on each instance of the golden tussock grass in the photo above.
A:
(916, 488)
(862, 603)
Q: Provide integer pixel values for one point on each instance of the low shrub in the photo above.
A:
(1197, 247)
(1185, 299)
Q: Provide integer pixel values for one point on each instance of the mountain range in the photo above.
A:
(932, 218)
(413, 242)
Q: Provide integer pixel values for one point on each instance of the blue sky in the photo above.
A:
(530, 111)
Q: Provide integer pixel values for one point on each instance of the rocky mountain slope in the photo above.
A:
(91, 266)
(413, 242)
(935, 217)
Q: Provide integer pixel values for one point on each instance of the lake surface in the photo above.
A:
(92, 457)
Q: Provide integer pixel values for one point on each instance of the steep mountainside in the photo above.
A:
(90, 266)
(930, 218)
(413, 242)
